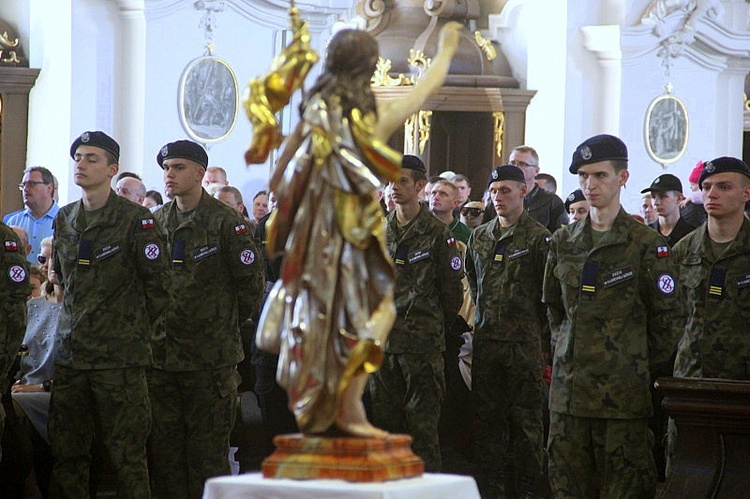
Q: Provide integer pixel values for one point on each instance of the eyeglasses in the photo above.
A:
(29, 183)
(522, 164)
(471, 212)
(41, 259)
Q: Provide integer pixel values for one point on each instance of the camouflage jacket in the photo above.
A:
(506, 274)
(716, 343)
(112, 271)
(428, 291)
(615, 317)
(216, 281)
(14, 290)
(545, 208)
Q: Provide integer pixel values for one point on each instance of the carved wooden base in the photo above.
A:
(346, 458)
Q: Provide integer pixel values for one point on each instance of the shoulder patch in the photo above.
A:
(147, 223)
(662, 251)
(451, 241)
(240, 229)
(456, 263)
(11, 246)
(17, 273)
(247, 257)
(666, 284)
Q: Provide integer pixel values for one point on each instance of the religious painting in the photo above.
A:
(666, 129)
(208, 99)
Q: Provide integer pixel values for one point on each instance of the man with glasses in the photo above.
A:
(545, 208)
(38, 188)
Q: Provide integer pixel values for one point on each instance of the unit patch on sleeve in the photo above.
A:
(147, 223)
(666, 284)
(152, 251)
(247, 257)
(11, 246)
(17, 273)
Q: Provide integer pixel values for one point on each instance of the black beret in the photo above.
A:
(96, 139)
(664, 183)
(185, 149)
(574, 197)
(722, 165)
(596, 149)
(506, 172)
(411, 162)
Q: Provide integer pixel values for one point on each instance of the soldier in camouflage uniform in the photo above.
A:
(505, 266)
(615, 315)
(216, 282)
(408, 390)
(14, 290)
(715, 272)
(108, 255)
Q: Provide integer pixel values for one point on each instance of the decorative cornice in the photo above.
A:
(269, 13)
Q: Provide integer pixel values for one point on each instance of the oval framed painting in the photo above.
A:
(667, 129)
(208, 99)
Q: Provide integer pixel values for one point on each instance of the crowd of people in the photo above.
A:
(550, 318)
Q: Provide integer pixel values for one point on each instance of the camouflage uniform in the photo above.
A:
(408, 390)
(614, 314)
(216, 282)
(545, 208)
(110, 262)
(717, 289)
(506, 273)
(14, 290)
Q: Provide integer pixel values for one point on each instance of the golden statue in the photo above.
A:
(331, 311)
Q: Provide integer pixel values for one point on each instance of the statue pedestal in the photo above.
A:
(346, 458)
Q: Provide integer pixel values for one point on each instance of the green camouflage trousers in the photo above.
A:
(407, 397)
(607, 458)
(508, 396)
(193, 413)
(111, 404)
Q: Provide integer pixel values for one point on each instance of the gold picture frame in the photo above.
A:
(667, 128)
(208, 100)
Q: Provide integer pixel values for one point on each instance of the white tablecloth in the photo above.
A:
(428, 486)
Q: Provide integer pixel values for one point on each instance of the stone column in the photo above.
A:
(131, 85)
(604, 42)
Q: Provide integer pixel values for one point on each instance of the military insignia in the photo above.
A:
(743, 280)
(618, 276)
(247, 257)
(716, 283)
(548, 239)
(147, 223)
(495, 174)
(456, 263)
(586, 153)
(152, 251)
(240, 229)
(17, 273)
(164, 151)
(666, 285)
(572, 197)
(418, 255)
(451, 241)
(662, 251)
(11, 246)
(106, 251)
(588, 279)
(85, 137)
(658, 179)
(709, 167)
